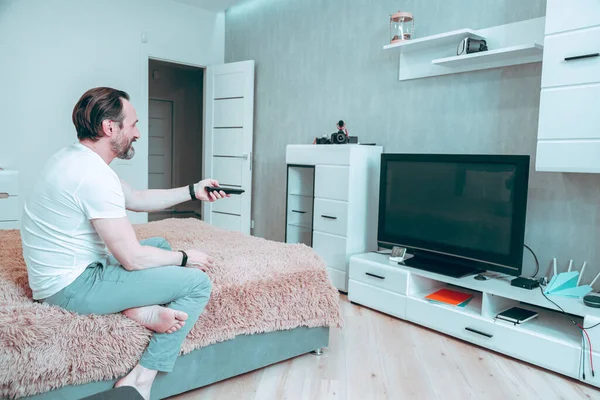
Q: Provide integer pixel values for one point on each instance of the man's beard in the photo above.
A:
(122, 147)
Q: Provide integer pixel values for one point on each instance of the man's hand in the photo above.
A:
(198, 259)
(202, 193)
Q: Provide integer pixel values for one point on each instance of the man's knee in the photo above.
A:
(202, 286)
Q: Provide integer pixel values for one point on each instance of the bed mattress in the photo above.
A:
(259, 286)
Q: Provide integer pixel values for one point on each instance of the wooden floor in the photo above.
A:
(379, 357)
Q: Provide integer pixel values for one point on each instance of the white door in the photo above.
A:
(228, 142)
(160, 129)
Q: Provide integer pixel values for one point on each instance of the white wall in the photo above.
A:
(53, 51)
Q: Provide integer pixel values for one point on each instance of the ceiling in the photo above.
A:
(213, 5)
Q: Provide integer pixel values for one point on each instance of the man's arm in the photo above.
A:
(161, 199)
(120, 238)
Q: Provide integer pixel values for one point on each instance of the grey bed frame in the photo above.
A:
(215, 363)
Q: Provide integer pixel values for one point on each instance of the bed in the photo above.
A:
(270, 302)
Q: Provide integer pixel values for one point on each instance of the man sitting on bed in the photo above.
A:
(76, 215)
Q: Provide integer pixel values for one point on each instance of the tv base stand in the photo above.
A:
(550, 340)
(427, 264)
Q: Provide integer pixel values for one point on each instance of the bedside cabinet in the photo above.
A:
(9, 199)
(332, 199)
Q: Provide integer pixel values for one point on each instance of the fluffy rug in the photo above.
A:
(258, 286)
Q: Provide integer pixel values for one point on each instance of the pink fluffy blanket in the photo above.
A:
(258, 286)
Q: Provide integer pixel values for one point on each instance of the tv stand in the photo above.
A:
(550, 340)
(439, 267)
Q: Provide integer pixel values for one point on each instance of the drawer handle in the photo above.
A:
(583, 56)
(328, 217)
(374, 276)
(479, 332)
(3, 195)
(299, 212)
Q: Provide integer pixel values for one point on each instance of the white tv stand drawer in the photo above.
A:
(376, 298)
(381, 276)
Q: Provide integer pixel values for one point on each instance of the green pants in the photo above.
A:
(106, 288)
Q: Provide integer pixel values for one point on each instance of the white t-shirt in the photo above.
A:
(59, 240)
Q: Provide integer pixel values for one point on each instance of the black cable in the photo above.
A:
(537, 263)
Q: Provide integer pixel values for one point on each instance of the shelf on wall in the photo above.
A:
(511, 44)
(428, 42)
(504, 56)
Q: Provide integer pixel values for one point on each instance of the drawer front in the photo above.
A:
(510, 340)
(9, 208)
(298, 234)
(559, 71)
(9, 183)
(564, 15)
(301, 180)
(568, 156)
(339, 279)
(299, 210)
(331, 216)
(536, 349)
(378, 299)
(570, 112)
(332, 249)
(388, 278)
(332, 182)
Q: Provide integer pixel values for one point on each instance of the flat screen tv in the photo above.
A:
(456, 214)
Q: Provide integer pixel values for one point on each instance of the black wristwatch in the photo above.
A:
(192, 192)
(184, 260)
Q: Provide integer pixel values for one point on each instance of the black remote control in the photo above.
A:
(210, 189)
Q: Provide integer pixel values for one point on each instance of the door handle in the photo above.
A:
(582, 56)
(328, 217)
(248, 157)
(299, 212)
(479, 332)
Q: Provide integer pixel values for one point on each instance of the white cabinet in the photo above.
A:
(332, 202)
(9, 199)
(568, 134)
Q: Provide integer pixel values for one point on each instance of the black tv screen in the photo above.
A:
(468, 208)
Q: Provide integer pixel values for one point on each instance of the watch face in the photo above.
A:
(398, 251)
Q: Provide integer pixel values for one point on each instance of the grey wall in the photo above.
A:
(318, 61)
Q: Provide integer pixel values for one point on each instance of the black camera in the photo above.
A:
(339, 137)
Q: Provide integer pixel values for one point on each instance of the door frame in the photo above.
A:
(145, 95)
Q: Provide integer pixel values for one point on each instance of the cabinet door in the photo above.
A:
(565, 15)
(570, 113)
(297, 234)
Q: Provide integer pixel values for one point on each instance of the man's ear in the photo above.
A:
(108, 127)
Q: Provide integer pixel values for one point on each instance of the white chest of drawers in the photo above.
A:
(332, 202)
(568, 134)
(9, 199)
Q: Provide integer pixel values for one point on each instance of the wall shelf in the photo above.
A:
(510, 44)
(501, 57)
(428, 42)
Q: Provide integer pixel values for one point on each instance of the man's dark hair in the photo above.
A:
(95, 106)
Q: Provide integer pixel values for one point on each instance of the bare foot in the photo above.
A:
(141, 379)
(158, 319)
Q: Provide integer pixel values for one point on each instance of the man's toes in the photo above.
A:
(181, 316)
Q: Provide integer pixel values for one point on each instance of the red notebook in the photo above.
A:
(449, 297)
